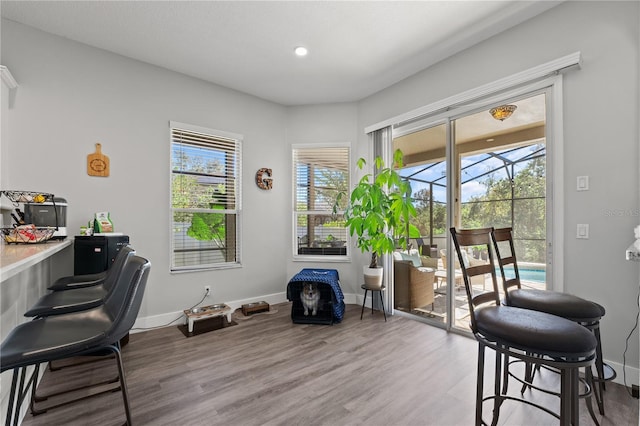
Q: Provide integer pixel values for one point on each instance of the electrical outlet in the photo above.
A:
(207, 290)
(634, 391)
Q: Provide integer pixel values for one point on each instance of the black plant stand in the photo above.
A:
(380, 289)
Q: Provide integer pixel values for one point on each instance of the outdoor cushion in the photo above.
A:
(429, 262)
(414, 258)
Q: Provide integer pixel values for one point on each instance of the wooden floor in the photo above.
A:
(266, 370)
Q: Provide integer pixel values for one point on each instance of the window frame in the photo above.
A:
(295, 213)
(237, 211)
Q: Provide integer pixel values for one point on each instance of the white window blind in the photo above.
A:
(320, 173)
(205, 198)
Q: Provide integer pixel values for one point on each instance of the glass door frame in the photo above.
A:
(552, 87)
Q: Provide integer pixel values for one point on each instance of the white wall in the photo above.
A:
(72, 96)
(600, 140)
(317, 124)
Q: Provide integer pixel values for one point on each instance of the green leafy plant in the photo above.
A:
(379, 209)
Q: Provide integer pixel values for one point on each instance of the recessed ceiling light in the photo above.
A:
(301, 51)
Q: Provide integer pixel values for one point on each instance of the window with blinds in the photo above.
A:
(205, 198)
(320, 173)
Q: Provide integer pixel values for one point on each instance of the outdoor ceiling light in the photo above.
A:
(502, 112)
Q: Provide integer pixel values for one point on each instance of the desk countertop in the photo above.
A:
(15, 258)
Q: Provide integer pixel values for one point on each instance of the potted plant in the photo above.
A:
(378, 213)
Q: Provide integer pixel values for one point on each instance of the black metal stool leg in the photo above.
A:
(497, 402)
(363, 302)
(383, 311)
(600, 369)
(36, 372)
(505, 375)
(123, 385)
(569, 397)
(590, 386)
(20, 395)
(480, 384)
(372, 297)
(12, 397)
(575, 416)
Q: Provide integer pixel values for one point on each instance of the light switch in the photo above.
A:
(583, 183)
(582, 231)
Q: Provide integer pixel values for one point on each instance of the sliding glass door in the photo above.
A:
(472, 170)
(500, 169)
(420, 287)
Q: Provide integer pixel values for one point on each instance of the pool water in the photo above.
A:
(535, 275)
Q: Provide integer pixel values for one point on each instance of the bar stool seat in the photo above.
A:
(534, 331)
(78, 281)
(78, 299)
(552, 302)
(373, 289)
(89, 280)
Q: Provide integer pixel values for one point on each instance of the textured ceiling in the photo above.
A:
(356, 47)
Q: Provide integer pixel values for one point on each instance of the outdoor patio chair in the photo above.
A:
(413, 286)
(469, 261)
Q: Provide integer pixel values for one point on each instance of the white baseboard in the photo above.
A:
(175, 318)
(633, 373)
(169, 319)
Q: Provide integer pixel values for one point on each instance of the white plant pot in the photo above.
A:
(373, 277)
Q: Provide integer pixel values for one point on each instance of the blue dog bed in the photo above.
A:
(331, 307)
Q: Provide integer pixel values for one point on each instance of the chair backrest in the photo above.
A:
(443, 256)
(506, 256)
(118, 264)
(123, 307)
(463, 238)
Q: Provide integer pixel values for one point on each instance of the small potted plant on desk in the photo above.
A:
(378, 213)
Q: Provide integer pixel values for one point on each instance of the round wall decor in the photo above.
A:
(263, 182)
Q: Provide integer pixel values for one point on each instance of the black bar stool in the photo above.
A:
(78, 299)
(75, 299)
(533, 337)
(69, 335)
(373, 290)
(89, 280)
(574, 308)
